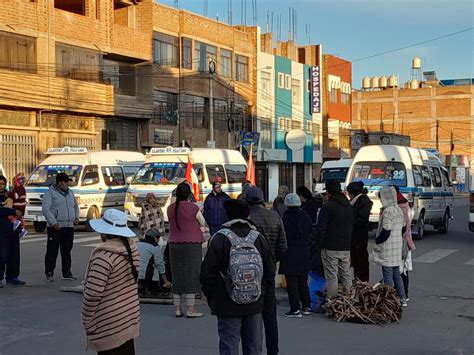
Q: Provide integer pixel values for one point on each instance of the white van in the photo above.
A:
(98, 180)
(471, 198)
(419, 174)
(3, 173)
(165, 168)
(333, 170)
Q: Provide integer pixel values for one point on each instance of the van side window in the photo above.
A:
(91, 176)
(236, 173)
(425, 175)
(199, 170)
(216, 173)
(435, 176)
(129, 170)
(445, 178)
(113, 176)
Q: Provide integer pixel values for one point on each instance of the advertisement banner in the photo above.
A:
(315, 90)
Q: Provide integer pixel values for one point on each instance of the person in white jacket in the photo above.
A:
(62, 213)
(389, 242)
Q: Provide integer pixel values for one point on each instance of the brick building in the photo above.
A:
(432, 115)
(72, 73)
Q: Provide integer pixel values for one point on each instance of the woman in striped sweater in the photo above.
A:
(111, 310)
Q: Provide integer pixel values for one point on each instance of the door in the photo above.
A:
(116, 188)
(261, 178)
(286, 175)
(438, 199)
(300, 175)
(425, 199)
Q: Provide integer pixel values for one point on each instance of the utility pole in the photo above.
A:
(437, 135)
(451, 149)
(212, 70)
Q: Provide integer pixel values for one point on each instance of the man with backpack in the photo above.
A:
(234, 275)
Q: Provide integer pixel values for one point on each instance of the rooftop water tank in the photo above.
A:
(366, 82)
(392, 81)
(374, 82)
(414, 84)
(383, 82)
(416, 63)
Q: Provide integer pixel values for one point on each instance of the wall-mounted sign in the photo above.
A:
(296, 139)
(315, 90)
(249, 138)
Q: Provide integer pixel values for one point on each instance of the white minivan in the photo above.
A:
(420, 176)
(333, 170)
(165, 168)
(99, 180)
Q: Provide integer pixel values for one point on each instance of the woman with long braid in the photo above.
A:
(111, 310)
(185, 248)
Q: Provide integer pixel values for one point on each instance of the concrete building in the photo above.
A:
(337, 88)
(72, 73)
(435, 115)
(289, 120)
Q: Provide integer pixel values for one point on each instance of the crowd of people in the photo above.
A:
(249, 244)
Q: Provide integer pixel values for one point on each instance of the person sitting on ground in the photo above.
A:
(279, 202)
(152, 265)
(236, 320)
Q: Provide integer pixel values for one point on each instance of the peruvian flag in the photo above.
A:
(192, 178)
(251, 167)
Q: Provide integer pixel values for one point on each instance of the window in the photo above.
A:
(236, 173)
(421, 176)
(309, 127)
(109, 139)
(296, 124)
(199, 170)
(344, 98)
(17, 52)
(130, 170)
(333, 95)
(165, 50)
(281, 80)
(445, 177)
(316, 136)
(165, 108)
(226, 63)
(241, 69)
(308, 85)
(122, 76)
(91, 176)
(287, 82)
(266, 135)
(160, 173)
(78, 63)
(45, 175)
(295, 90)
(187, 55)
(266, 84)
(435, 176)
(380, 173)
(164, 137)
(284, 124)
(215, 173)
(113, 176)
(75, 6)
(204, 53)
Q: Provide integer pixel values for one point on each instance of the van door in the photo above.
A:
(425, 199)
(90, 194)
(438, 199)
(114, 194)
(448, 195)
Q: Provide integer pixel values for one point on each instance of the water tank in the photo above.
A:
(366, 82)
(414, 84)
(392, 81)
(416, 63)
(407, 84)
(374, 82)
(383, 82)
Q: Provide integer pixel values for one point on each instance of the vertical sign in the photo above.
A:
(315, 90)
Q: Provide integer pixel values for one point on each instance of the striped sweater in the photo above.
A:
(110, 310)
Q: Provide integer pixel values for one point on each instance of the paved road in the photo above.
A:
(39, 319)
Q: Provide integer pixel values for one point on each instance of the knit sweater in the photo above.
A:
(110, 310)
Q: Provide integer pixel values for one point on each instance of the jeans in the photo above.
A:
(337, 264)
(125, 349)
(248, 328)
(269, 314)
(405, 283)
(360, 261)
(298, 291)
(10, 256)
(391, 276)
(63, 240)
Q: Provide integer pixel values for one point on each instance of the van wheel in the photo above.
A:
(93, 213)
(420, 227)
(39, 227)
(445, 224)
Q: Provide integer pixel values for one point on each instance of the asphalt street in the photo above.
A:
(39, 319)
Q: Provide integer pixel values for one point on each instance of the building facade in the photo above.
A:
(290, 129)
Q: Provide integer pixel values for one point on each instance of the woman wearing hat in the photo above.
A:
(295, 263)
(185, 250)
(111, 310)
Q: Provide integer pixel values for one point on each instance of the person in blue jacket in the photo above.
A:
(214, 211)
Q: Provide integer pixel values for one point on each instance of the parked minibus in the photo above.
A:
(333, 170)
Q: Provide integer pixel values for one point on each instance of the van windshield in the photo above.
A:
(338, 174)
(45, 175)
(160, 173)
(380, 173)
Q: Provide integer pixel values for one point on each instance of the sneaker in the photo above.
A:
(193, 315)
(23, 233)
(407, 299)
(69, 277)
(404, 303)
(306, 311)
(16, 282)
(16, 224)
(296, 314)
(49, 278)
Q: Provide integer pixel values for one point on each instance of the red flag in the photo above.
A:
(192, 178)
(251, 167)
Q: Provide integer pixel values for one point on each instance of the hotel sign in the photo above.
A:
(315, 90)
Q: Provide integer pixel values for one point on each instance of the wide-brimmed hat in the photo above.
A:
(114, 222)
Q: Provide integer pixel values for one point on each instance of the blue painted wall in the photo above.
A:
(283, 106)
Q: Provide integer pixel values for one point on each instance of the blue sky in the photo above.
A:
(355, 29)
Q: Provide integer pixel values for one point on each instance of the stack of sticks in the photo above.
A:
(366, 303)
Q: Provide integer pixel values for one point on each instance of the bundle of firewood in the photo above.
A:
(366, 303)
